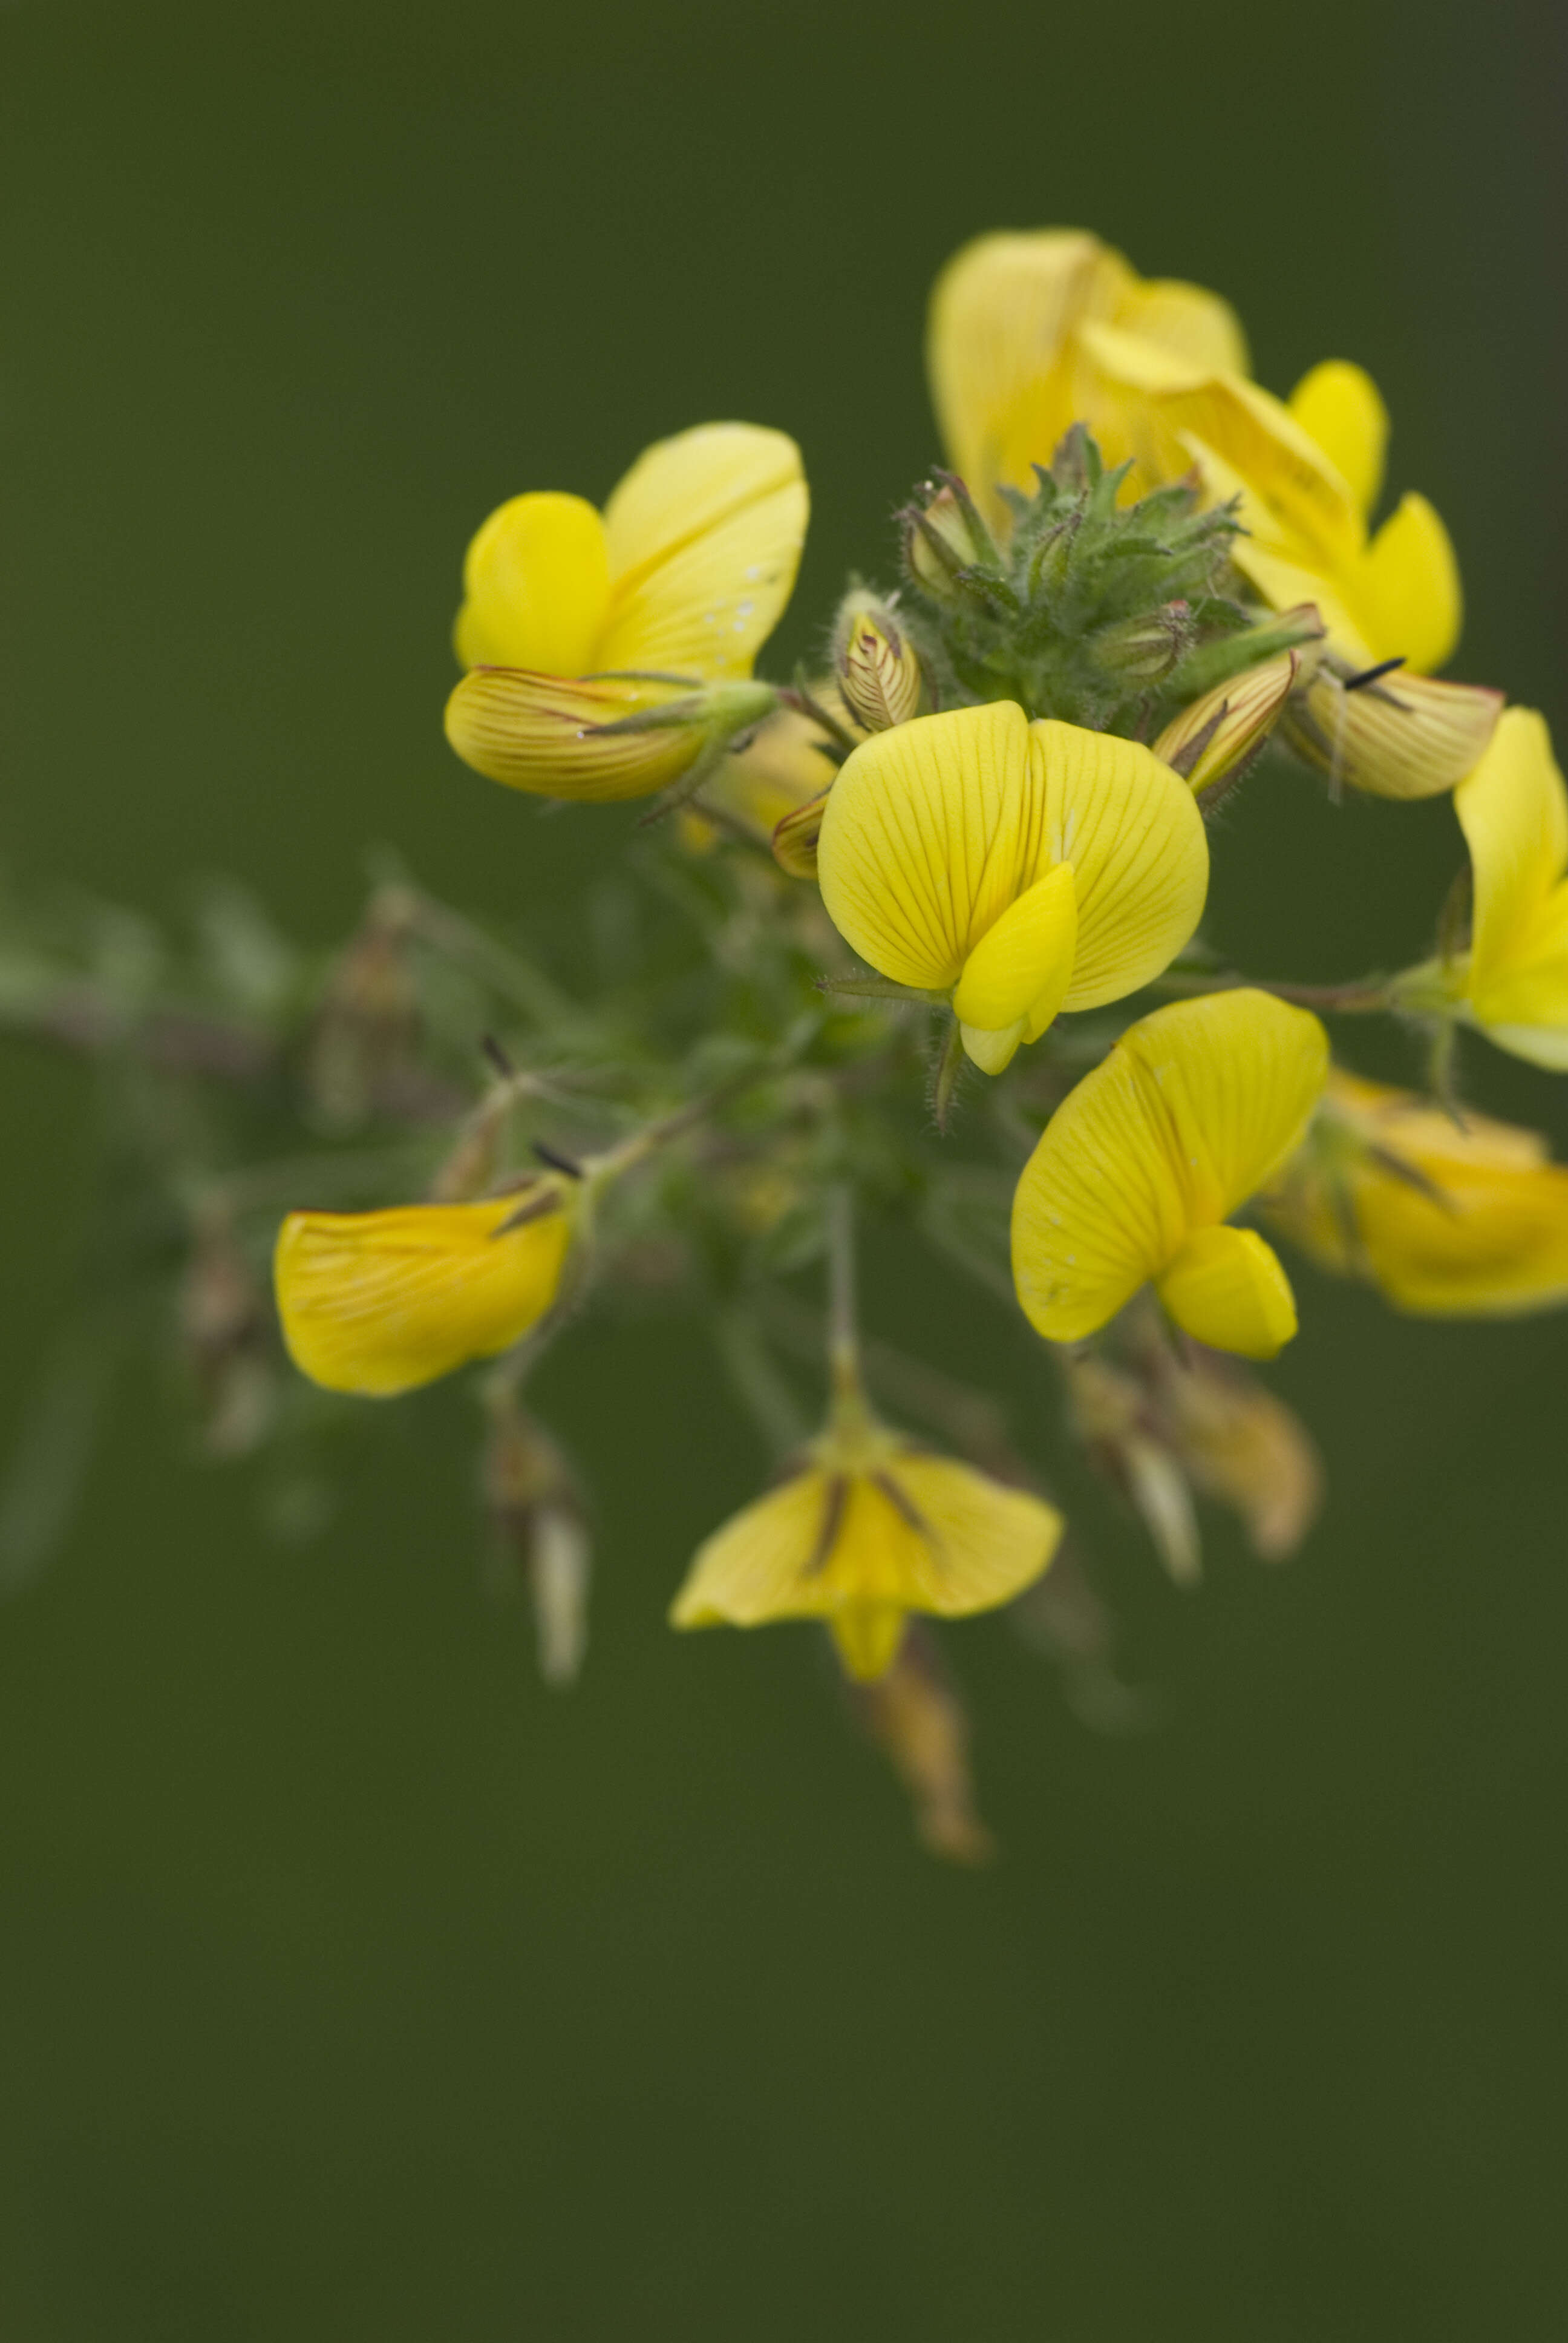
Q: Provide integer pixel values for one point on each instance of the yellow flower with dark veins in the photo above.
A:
(1446, 1221)
(1512, 982)
(1022, 869)
(1030, 333)
(1136, 1173)
(379, 1303)
(647, 614)
(869, 1530)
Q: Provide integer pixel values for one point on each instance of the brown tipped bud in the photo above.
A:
(1112, 1417)
(367, 1024)
(224, 1330)
(878, 667)
(944, 537)
(1214, 735)
(537, 1512)
(795, 839)
(915, 1716)
(1142, 649)
(1394, 735)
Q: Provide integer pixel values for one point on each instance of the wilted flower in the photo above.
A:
(1397, 736)
(1020, 868)
(1191, 1114)
(914, 1713)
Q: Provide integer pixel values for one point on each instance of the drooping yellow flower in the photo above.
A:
(1022, 868)
(1514, 980)
(1031, 333)
(379, 1302)
(1446, 1221)
(1135, 1174)
(870, 1529)
(682, 577)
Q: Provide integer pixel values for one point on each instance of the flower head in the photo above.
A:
(1447, 1221)
(379, 1303)
(869, 1530)
(1022, 868)
(1030, 333)
(574, 620)
(1136, 1173)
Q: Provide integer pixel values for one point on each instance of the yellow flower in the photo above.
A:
(1446, 1221)
(1029, 334)
(869, 1531)
(1512, 982)
(681, 579)
(1022, 868)
(1005, 353)
(1133, 1178)
(377, 1302)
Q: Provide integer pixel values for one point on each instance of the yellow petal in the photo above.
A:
(980, 1542)
(704, 535)
(1140, 857)
(1191, 1111)
(1514, 815)
(993, 1048)
(930, 833)
(1226, 1288)
(537, 732)
(1406, 736)
(1186, 322)
(377, 1302)
(1001, 315)
(1340, 406)
(537, 583)
(1023, 965)
(1405, 590)
(867, 1636)
(1310, 505)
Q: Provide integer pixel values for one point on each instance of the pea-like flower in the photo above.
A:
(379, 1303)
(1512, 982)
(1030, 333)
(1020, 868)
(646, 617)
(1445, 1220)
(869, 1530)
(1136, 1173)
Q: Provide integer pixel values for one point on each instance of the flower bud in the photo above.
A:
(945, 537)
(1143, 650)
(795, 838)
(1401, 736)
(1209, 738)
(596, 739)
(224, 1328)
(367, 1023)
(537, 1512)
(878, 667)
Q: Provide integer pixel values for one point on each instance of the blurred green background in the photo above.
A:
(352, 1986)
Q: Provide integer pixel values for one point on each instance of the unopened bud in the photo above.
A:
(595, 739)
(795, 839)
(1214, 735)
(1143, 650)
(878, 667)
(914, 1714)
(367, 1023)
(1111, 1416)
(538, 1515)
(223, 1326)
(1395, 735)
(944, 538)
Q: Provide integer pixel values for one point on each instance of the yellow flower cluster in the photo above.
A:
(995, 866)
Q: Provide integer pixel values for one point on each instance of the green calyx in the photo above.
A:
(1093, 611)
